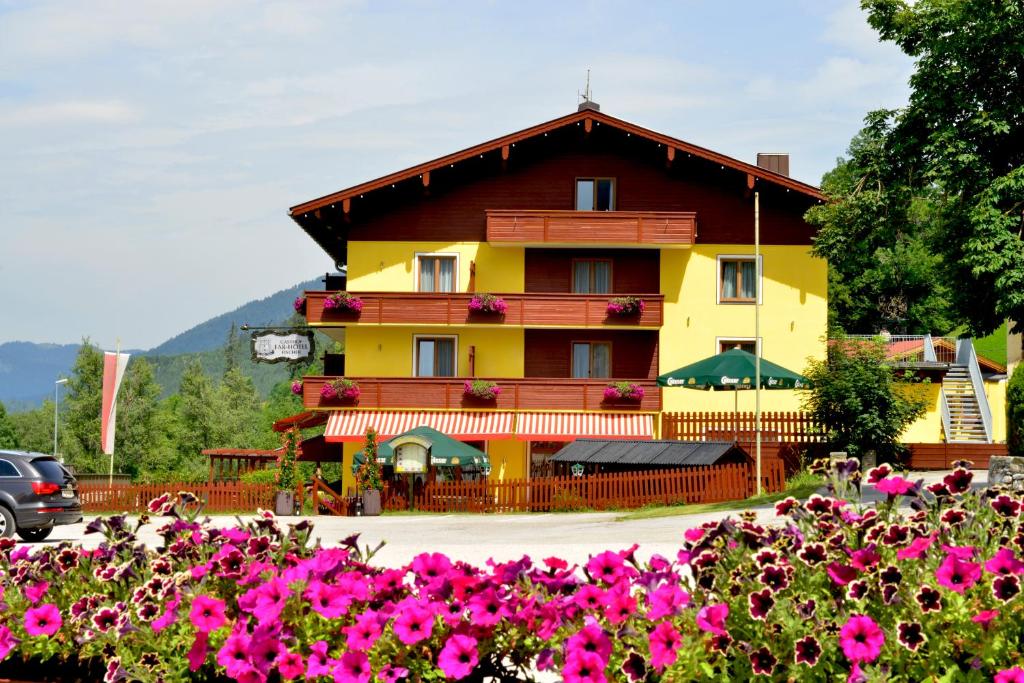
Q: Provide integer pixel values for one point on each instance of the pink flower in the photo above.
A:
(354, 667)
(364, 633)
(197, 653)
(894, 486)
(1005, 562)
(234, 655)
(317, 663)
(917, 548)
(583, 667)
(458, 657)
(290, 665)
(957, 575)
(297, 387)
(590, 638)
(207, 614)
(7, 642)
(664, 642)
(44, 620)
(1014, 675)
(392, 674)
(431, 566)
(985, 617)
(414, 624)
(841, 574)
(711, 618)
(35, 591)
(327, 600)
(667, 600)
(606, 567)
(861, 639)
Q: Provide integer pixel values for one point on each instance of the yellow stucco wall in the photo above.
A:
(996, 393)
(928, 427)
(390, 266)
(794, 318)
(388, 351)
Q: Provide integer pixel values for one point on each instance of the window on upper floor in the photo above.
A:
(591, 276)
(737, 279)
(743, 343)
(595, 194)
(436, 272)
(435, 356)
(591, 359)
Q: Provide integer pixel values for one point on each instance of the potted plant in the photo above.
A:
(368, 479)
(624, 306)
(487, 303)
(340, 388)
(343, 301)
(624, 391)
(284, 498)
(297, 387)
(481, 389)
(300, 305)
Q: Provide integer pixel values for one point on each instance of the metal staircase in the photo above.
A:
(966, 424)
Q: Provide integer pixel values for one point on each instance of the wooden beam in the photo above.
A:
(426, 178)
(670, 153)
(504, 152)
(346, 205)
(750, 181)
(588, 123)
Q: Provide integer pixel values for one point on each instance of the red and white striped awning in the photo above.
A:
(571, 426)
(351, 425)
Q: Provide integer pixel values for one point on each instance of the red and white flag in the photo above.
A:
(113, 371)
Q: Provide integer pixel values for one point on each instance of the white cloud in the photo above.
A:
(69, 112)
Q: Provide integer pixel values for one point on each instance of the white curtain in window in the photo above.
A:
(581, 277)
(447, 278)
(728, 279)
(748, 279)
(445, 349)
(602, 277)
(426, 274)
(601, 361)
(581, 360)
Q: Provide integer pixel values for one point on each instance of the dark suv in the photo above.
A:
(36, 494)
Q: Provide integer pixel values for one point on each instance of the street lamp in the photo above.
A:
(56, 410)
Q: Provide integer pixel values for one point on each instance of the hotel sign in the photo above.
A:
(274, 347)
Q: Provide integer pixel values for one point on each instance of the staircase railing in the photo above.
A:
(966, 356)
(947, 427)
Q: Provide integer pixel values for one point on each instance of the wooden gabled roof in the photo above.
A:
(588, 116)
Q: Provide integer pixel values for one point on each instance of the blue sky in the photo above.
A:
(151, 149)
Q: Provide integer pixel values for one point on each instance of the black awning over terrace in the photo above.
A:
(650, 453)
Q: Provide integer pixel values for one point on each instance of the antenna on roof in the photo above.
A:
(586, 102)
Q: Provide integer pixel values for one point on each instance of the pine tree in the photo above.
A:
(231, 351)
(8, 434)
(136, 410)
(238, 423)
(196, 411)
(80, 432)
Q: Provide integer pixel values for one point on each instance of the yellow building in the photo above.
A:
(564, 230)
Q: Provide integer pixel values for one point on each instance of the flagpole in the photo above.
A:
(117, 358)
(757, 335)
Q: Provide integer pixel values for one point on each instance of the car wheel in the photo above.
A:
(35, 535)
(6, 522)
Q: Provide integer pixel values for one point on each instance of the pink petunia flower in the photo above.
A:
(234, 655)
(458, 657)
(318, 664)
(664, 642)
(583, 667)
(607, 567)
(1012, 675)
(414, 624)
(290, 665)
(711, 618)
(364, 633)
(392, 674)
(197, 653)
(590, 638)
(841, 574)
(894, 486)
(34, 592)
(985, 617)
(957, 575)
(44, 620)
(7, 642)
(431, 566)
(917, 548)
(667, 600)
(861, 639)
(354, 667)
(807, 651)
(207, 614)
(1005, 562)
(327, 600)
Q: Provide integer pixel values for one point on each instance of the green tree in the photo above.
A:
(80, 431)
(231, 350)
(860, 400)
(8, 432)
(136, 412)
(238, 422)
(196, 412)
(1015, 412)
(34, 428)
(960, 143)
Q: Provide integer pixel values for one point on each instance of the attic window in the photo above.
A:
(595, 194)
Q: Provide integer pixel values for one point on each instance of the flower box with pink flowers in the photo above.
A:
(624, 391)
(343, 302)
(340, 389)
(487, 303)
(922, 585)
(626, 306)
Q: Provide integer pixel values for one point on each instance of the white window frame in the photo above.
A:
(719, 340)
(416, 348)
(416, 268)
(718, 279)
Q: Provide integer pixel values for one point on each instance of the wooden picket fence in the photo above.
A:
(784, 426)
(624, 490)
(223, 497)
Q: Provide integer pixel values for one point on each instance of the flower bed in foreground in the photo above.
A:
(835, 592)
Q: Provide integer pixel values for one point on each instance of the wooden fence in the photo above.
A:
(690, 485)
(224, 497)
(941, 456)
(787, 427)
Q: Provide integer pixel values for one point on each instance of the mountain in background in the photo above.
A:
(28, 370)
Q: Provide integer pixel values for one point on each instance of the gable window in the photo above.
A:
(435, 356)
(591, 359)
(591, 276)
(436, 273)
(744, 343)
(737, 279)
(595, 194)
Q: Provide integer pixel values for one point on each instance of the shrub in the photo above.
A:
(264, 475)
(1015, 412)
(368, 476)
(287, 478)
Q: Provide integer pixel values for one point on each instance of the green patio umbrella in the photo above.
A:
(733, 370)
(444, 451)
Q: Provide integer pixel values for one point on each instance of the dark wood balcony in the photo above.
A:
(524, 310)
(440, 393)
(652, 228)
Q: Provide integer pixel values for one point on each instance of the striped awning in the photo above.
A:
(570, 426)
(351, 425)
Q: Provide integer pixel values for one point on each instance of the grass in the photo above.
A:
(801, 485)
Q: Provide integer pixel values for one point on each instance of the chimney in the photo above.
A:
(587, 104)
(776, 162)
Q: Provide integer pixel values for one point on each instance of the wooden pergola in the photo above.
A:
(229, 464)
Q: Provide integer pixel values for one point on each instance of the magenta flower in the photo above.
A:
(354, 667)
(207, 614)
(297, 387)
(234, 655)
(430, 566)
(664, 642)
(1004, 562)
(35, 591)
(590, 638)
(1012, 675)
(607, 567)
(841, 574)
(197, 653)
(44, 620)
(917, 548)
(807, 651)
(861, 639)
(318, 664)
(414, 624)
(364, 633)
(894, 486)
(583, 667)
(329, 601)
(290, 665)
(392, 674)
(621, 607)
(711, 618)
(486, 608)
(667, 600)
(957, 575)
(458, 657)
(985, 617)
(7, 642)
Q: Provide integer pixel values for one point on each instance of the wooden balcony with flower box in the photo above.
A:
(520, 310)
(450, 393)
(663, 229)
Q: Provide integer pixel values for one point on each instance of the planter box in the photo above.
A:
(284, 503)
(371, 503)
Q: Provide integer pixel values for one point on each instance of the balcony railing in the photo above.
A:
(441, 393)
(655, 228)
(524, 310)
